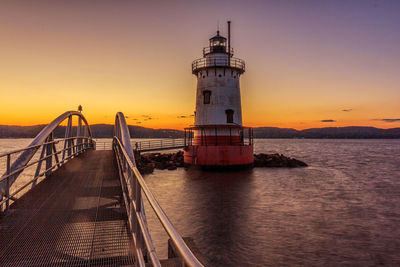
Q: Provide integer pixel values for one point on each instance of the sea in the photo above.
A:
(342, 210)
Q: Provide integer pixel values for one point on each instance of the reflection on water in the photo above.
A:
(343, 209)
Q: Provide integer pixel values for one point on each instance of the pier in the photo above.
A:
(82, 206)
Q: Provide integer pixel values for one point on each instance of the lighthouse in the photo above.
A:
(218, 137)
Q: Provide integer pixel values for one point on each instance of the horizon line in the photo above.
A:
(359, 126)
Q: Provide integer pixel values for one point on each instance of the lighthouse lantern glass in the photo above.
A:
(218, 44)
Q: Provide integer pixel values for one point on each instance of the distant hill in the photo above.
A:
(106, 131)
(353, 132)
(98, 131)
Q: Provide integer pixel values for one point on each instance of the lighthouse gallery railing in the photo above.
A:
(133, 185)
(202, 63)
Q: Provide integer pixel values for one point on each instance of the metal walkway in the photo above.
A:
(88, 209)
(74, 217)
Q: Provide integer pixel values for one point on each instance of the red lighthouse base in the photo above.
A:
(217, 146)
(219, 156)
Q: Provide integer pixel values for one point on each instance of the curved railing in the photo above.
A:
(73, 146)
(205, 62)
(133, 185)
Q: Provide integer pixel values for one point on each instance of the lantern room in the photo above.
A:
(218, 44)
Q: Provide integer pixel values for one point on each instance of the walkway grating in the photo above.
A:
(74, 217)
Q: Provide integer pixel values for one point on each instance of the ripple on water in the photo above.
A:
(343, 209)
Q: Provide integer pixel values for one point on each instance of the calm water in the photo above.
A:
(342, 210)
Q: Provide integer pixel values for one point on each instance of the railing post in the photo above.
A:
(39, 166)
(138, 201)
(49, 151)
(73, 146)
(78, 134)
(7, 193)
(56, 155)
(67, 142)
(184, 139)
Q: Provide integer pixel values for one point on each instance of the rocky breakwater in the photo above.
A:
(146, 163)
(276, 160)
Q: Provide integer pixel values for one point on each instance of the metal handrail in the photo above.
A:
(187, 255)
(42, 158)
(146, 145)
(37, 146)
(159, 144)
(103, 145)
(205, 62)
(26, 148)
(45, 139)
(133, 185)
(40, 174)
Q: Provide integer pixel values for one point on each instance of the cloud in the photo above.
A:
(185, 116)
(328, 121)
(347, 110)
(388, 120)
(130, 118)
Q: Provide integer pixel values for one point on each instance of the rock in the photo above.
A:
(276, 160)
(172, 167)
(148, 168)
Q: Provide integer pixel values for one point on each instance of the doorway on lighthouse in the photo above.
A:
(229, 115)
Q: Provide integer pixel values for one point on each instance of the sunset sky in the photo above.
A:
(308, 63)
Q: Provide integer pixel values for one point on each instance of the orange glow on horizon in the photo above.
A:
(109, 57)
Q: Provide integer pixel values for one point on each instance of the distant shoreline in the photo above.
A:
(106, 131)
(256, 138)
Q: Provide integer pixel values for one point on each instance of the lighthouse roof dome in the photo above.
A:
(218, 37)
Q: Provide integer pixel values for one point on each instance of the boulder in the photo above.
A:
(172, 167)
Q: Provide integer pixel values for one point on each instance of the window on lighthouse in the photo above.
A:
(229, 115)
(206, 97)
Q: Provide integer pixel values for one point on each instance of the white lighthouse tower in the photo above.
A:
(218, 137)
